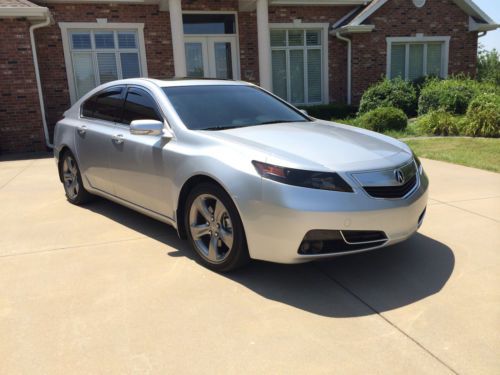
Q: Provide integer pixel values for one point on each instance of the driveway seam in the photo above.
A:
(17, 174)
(465, 210)
(357, 297)
(71, 247)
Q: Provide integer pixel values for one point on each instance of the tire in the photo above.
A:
(72, 180)
(214, 228)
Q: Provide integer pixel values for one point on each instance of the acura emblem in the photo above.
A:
(400, 177)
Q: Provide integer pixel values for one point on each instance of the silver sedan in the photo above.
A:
(239, 172)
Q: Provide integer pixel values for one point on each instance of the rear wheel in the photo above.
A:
(72, 180)
(215, 229)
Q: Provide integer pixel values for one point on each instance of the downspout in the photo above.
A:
(349, 56)
(480, 35)
(37, 76)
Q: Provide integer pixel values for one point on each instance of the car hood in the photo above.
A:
(319, 144)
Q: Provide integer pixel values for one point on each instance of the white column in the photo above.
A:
(176, 25)
(264, 43)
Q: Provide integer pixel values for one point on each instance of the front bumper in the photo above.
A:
(276, 224)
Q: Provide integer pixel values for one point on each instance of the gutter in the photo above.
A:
(33, 27)
(349, 73)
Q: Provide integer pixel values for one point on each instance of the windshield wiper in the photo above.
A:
(278, 122)
(223, 127)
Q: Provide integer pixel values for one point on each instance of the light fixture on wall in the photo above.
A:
(419, 3)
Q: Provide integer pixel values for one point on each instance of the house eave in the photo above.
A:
(24, 12)
(479, 26)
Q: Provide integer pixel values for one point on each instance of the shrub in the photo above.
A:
(390, 93)
(329, 111)
(452, 95)
(383, 119)
(483, 116)
(439, 122)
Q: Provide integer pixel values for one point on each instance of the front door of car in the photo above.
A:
(138, 162)
(93, 136)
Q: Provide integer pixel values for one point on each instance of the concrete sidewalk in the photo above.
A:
(102, 289)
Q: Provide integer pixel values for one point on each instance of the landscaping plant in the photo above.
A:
(390, 93)
(383, 119)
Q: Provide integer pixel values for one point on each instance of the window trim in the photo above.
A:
(324, 27)
(419, 39)
(65, 30)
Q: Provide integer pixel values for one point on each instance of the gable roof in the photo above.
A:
(21, 8)
(478, 19)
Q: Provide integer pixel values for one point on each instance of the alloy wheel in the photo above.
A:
(70, 177)
(211, 228)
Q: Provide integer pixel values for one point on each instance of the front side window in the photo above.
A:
(139, 105)
(100, 56)
(297, 65)
(214, 107)
(414, 60)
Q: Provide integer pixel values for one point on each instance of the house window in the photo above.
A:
(102, 55)
(297, 65)
(412, 58)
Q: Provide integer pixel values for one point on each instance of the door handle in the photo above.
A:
(118, 139)
(82, 130)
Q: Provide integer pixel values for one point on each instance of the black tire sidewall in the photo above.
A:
(239, 252)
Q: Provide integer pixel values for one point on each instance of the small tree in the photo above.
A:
(488, 66)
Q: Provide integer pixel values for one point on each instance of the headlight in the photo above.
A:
(307, 179)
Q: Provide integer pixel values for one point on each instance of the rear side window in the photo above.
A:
(139, 105)
(105, 105)
(109, 105)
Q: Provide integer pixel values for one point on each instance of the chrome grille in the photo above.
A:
(392, 191)
(390, 183)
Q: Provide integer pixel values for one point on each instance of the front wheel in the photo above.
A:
(215, 229)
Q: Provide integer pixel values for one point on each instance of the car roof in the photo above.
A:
(175, 82)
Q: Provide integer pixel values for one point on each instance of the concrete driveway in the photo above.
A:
(102, 289)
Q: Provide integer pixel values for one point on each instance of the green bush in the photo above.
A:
(383, 119)
(452, 95)
(390, 93)
(329, 111)
(439, 122)
(483, 116)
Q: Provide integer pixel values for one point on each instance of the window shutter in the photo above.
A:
(398, 60)
(279, 73)
(416, 61)
(107, 67)
(83, 71)
(434, 62)
(314, 75)
(130, 65)
(297, 76)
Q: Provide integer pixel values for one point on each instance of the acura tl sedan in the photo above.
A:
(238, 172)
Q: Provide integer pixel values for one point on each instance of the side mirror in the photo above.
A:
(146, 127)
(304, 112)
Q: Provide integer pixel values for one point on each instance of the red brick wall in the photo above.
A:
(402, 18)
(21, 128)
(157, 38)
(337, 50)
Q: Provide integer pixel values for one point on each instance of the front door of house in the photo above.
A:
(211, 57)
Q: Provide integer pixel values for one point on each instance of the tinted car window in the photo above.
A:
(228, 106)
(88, 107)
(139, 105)
(105, 105)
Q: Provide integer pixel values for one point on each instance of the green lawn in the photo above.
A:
(471, 152)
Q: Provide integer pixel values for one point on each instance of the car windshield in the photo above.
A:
(218, 107)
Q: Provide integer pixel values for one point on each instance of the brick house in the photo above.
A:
(307, 51)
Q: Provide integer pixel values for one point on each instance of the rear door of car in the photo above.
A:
(94, 136)
(138, 163)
